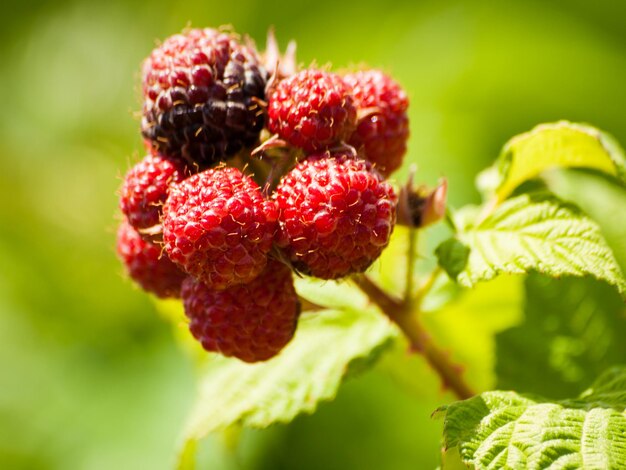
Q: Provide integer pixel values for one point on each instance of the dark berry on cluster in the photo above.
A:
(312, 110)
(147, 264)
(203, 93)
(218, 227)
(145, 189)
(383, 127)
(252, 322)
(336, 215)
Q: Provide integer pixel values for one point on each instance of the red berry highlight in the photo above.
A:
(312, 110)
(252, 322)
(336, 215)
(218, 227)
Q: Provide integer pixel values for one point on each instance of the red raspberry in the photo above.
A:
(218, 227)
(252, 322)
(202, 91)
(145, 189)
(147, 264)
(383, 131)
(336, 215)
(312, 110)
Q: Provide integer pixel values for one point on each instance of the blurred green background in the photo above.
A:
(91, 376)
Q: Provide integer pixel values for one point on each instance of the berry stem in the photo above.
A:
(406, 316)
(259, 170)
(427, 286)
(410, 265)
(449, 218)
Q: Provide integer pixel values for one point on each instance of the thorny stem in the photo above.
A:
(406, 316)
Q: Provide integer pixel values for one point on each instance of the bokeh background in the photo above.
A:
(91, 377)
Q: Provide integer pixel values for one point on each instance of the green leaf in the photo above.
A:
(600, 198)
(507, 430)
(574, 329)
(328, 345)
(532, 232)
(562, 144)
(453, 256)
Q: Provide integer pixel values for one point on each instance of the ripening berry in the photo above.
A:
(218, 227)
(336, 215)
(312, 110)
(383, 129)
(202, 96)
(145, 189)
(252, 322)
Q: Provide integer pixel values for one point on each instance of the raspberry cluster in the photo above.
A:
(254, 172)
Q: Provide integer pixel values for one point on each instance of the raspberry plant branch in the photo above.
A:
(406, 317)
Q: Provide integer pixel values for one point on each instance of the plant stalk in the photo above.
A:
(405, 316)
(410, 265)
